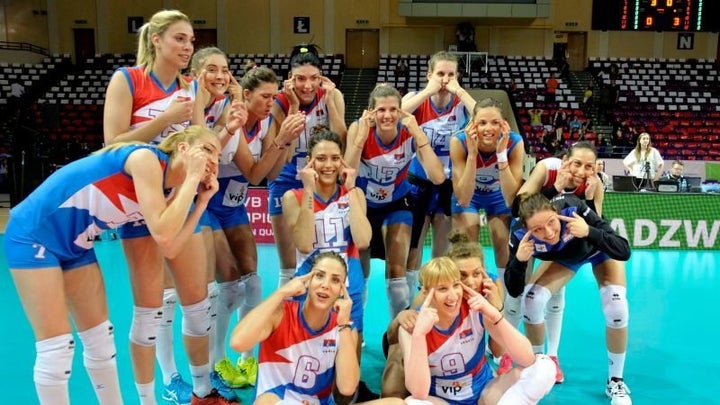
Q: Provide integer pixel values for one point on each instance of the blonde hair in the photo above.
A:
(201, 55)
(190, 135)
(158, 24)
(438, 270)
(442, 56)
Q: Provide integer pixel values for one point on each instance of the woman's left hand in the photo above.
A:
(491, 292)
(502, 142)
(348, 175)
(576, 225)
(343, 306)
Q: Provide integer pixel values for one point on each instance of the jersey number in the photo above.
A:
(306, 372)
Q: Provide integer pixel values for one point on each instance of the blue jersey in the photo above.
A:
(383, 168)
(81, 200)
(439, 126)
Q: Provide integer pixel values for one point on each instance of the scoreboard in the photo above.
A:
(656, 15)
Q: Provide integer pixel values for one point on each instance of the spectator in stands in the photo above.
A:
(512, 86)
(644, 162)
(676, 171)
(551, 85)
(402, 69)
(600, 170)
(588, 98)
(17, 90)
(536, 118)
(564, 70)
(575, 123)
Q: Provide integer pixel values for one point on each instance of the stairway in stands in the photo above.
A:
(580, 80)
(356, 85)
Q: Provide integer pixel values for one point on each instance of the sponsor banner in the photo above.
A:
(665, 221)
(257, 208)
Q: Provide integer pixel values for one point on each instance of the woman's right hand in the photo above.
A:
(564, 177)
(180, 110)
(526, 248)
(289, 91)
(308, 175)
(291, 128)
(297, 286)
(427, 317)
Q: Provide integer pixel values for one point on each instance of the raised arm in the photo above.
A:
(347, 365)
(412, 100)
(336, 107)
(300, 216)
(424, 152)
(360, 228)
(464, 166)
(511, 170)
(415, 352)
(118, 113)
(357, 135)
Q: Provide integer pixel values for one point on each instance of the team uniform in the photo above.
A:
(56, 225)
(297, 363)
(332, 232)
(601, 244)
(487, 195)
(316, 119)
(439, 126)
(227, 206)
(150, 99)
(383, 178)
(458, 368)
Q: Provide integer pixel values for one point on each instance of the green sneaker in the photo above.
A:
(233, 377)
(249, 369)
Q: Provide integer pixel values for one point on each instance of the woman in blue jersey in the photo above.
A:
(444, 355)
(442, 108)
(49, 245)
(567, 234)
(380, 146)
(307, 345)
(144, 103)
(311, 93)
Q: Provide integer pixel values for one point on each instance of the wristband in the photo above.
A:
(498, 321)
(502, 156)
(344, 326)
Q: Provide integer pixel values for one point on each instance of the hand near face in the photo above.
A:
(327, 85)
(297, 286)
(180, 110)
(564, 177)
(207, 188)
(576, 225)
(308, 175)
(348, 175)
(502, 142)
(343, 306)
(433, 85)
(407, 319)
(291, 128)
(289, 91)
(203, 94)
(453, 86)
(491, 292)
(235, 89)
(591, 184)
(526, 248)
(471, 138)
(427, 317)
(237, 116)
(475, 300)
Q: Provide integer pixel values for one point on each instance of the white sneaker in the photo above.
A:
(618, 392)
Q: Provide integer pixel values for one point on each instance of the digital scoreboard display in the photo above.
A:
(656, 15)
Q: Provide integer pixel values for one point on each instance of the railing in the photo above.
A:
(23, 46)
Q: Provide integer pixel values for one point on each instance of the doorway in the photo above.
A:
(84, 44)
(577, 50)
(362, 49)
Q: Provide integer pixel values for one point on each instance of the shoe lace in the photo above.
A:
(619, 388)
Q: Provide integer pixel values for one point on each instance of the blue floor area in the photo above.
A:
(672, 354)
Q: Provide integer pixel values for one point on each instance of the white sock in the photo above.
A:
(616, 365)
(285, 276)
(164, 346)
(201, 380)
(99, 360)
(146, 393)
(230, 297)
(213, 297)
(412, 276)
(397, 291)
(553, 320)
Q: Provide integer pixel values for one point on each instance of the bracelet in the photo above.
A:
(275, 143)
(344, 326)
(502, 156)
(500, 319)
(229, 131)
(502, 307)
(423, 145)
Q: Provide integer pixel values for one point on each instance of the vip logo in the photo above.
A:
(453, 389)
(379, 195)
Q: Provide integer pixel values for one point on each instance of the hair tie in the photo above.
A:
(304, 50)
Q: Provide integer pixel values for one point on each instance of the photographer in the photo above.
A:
(644, 162)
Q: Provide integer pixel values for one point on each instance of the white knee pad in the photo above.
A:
(534, 383)
(169, 301)
(53, 362)
(213, 297)
(196, 319)
(615, 306)
(99, 346)
(253, 290)
(535, 299)
(230, 295)
(556, 304)
(145, 324)
(398, 295)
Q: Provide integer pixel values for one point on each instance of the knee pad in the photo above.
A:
(230, 295)
(253, 290)
(556, 304)
(196, 319)
(535, 298)
(615, 306)
(169, 301)
(398, 295)
(537, 379)
(145, 325)
(99, 346)
(53, 362)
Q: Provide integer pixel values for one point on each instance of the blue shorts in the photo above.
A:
(395, 212)
(228, 217)
(207, 220)
(493, 203)
(139, 229)
(276, 190)
(428, 199)
(594, 259)
(24, 252)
